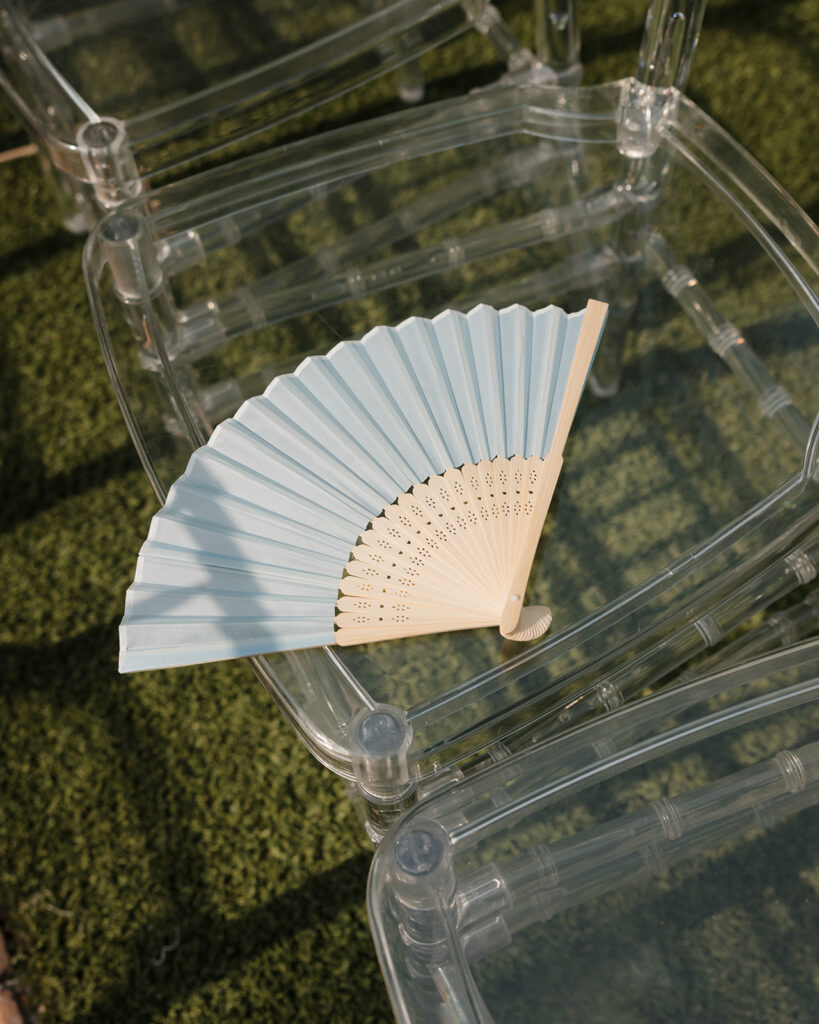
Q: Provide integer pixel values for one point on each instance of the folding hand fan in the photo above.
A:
(396, 486)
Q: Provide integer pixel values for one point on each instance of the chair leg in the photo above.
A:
(557, 37)
(670, 37)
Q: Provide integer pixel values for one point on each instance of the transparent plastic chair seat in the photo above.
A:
(657, 864)
(691, 464)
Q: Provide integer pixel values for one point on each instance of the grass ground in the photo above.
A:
(169, 852)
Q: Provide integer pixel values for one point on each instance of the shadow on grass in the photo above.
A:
(35, 492)
(68, 673)
(36, 254)
(215, 947)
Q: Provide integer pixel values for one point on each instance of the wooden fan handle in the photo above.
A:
(542, 499)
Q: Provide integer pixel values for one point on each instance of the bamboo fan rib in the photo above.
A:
(394, 487)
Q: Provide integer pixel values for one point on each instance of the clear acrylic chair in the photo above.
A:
(643, 867)
(689, 495)
(121, 94)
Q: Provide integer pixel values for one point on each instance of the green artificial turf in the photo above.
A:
(169, 851)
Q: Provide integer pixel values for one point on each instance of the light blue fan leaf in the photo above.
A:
(151, 602)
(239, 547)
(484, 332)
(566, 348)
(240, 444)
(289, 399)
(548, 332)
(452, 330)
(384, 348)
(330, 459)
(211, 468)
(208, 505)
(321, 377)
(355, 367)
(151, 645)
(422, 354)
(516, 351)
(166, 565)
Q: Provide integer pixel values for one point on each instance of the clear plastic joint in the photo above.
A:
(424, 872)
(109, 163)
(670, 817)
(455, 254)
(724, 339)
(642, 114)
(782, 626)
(418, 852)
(131, 257)
(409, 222)
(677, 279)
(654, 859)
(604, 747)
(548, 866)
(609, 695)
(793, 771)
(381, 741)
(551, 224)
(483, 16)
(355, 283)
(252, 307)
(774, 400)
(802, 565)
(180, 251)
(764, 814)
(709, 629)
(482, 893)
(522, 59)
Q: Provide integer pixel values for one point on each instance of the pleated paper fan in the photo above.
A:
(394, 487)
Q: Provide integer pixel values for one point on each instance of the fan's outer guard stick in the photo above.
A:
(543, 498)
(593, 323)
